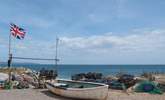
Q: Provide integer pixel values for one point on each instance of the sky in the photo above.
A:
(90, 31)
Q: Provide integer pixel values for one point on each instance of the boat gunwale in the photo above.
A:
(91, 88)
(101, 84)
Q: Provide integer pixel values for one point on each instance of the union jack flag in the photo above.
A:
(17, 32)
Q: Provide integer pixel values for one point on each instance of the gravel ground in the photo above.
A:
(36, 94)
(119, 95)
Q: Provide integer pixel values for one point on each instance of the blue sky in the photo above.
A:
(90, 31)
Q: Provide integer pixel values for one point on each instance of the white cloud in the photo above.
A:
(144, 41)
(148, 41)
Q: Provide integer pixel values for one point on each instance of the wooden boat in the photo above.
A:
(78, 89)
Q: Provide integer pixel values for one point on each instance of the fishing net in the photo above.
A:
(149, 87)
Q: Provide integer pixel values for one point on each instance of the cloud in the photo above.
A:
(148, 41)
(144, 41)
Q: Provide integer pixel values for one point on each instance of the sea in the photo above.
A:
(66, 71)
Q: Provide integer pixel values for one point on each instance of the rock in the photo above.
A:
(128, 80)
(87, 76)
(48, 74)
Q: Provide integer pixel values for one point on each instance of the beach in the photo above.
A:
(44, 94)
(29, 90)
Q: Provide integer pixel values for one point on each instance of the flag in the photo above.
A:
(17, 32)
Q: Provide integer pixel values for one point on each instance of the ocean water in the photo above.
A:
(66, 71)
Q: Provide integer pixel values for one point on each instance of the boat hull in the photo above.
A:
(94, 93)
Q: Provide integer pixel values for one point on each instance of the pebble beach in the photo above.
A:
(44, 94)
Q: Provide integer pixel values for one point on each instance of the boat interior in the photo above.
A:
(64, 84)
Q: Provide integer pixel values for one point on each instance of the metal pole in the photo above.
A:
(9, 44)
(56, 58)
(10, 55)
(10, 58)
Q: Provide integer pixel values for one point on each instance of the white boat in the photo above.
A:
(78, 89)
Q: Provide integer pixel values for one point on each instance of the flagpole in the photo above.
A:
(9, 43)
(10, 54)
(10, 58)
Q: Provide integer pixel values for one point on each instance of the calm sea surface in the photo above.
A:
(65, 71)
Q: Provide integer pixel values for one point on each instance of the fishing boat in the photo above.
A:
(78, 89)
